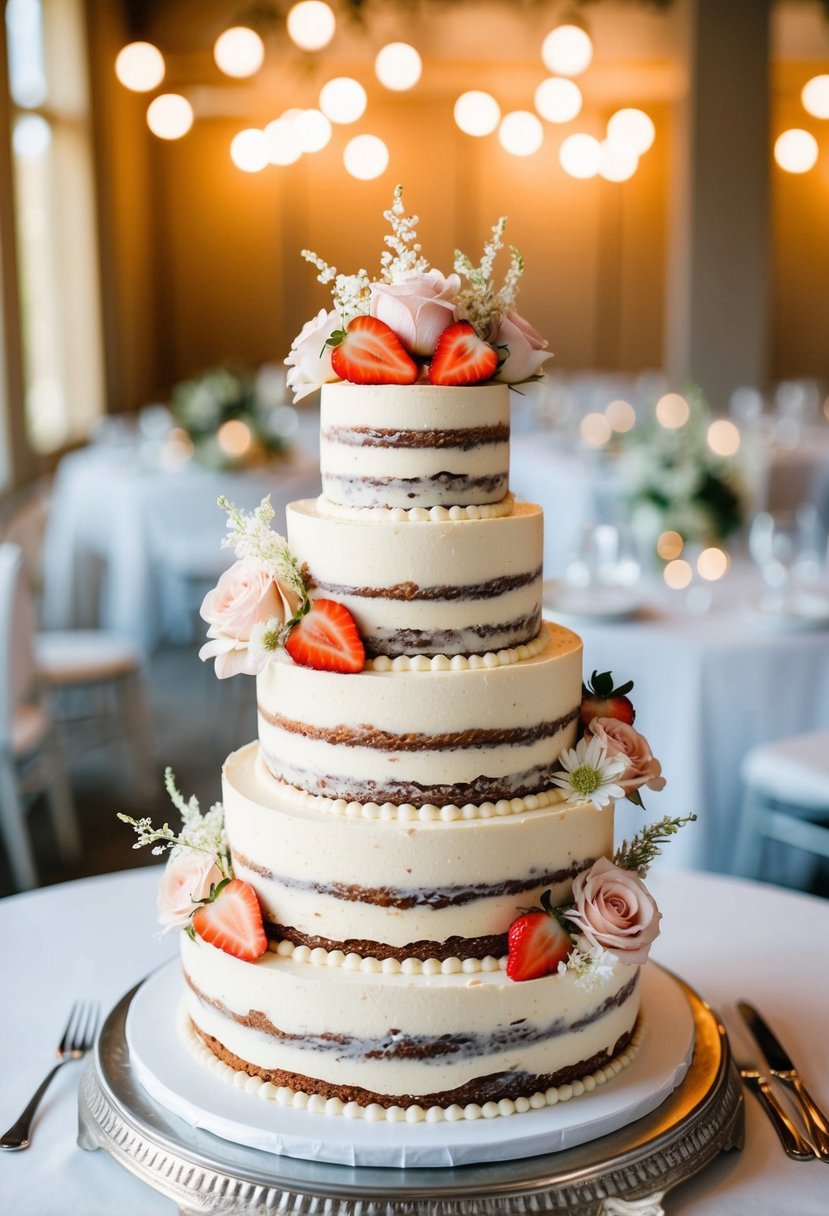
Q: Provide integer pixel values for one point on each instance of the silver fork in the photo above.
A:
(77, 1040)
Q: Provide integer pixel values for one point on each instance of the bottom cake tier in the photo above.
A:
(401, 1039)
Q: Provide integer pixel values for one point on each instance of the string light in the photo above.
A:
(520, 133)
(678, 574)
(366, 157)
(672, 411)
(233, 436)
(249, 150)
(567, 50)
(617, 162)
(398, 66)
(140, 66)
(239, 52)
(580, 156)
(633, 128)
(712, 564)
(170, 116)
(557, 99)
(621, 415)
(342, 100)
(669, 545)
(477, 113)
(282, 141)
(723, 437)
(796, 150)
(311, 25)
(595, 430)
(815, 96)
(313, 130)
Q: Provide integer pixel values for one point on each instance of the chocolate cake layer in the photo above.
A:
(493, 946)
(446, 592)
(473, 639)
(464, 438)
(370, 491)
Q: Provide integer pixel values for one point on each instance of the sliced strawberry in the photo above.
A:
(326, 638)
(601, 700)
(368, 351)
(461, 357)
(232, 920)
(537, 943)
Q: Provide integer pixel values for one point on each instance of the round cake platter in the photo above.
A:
(631, 1169)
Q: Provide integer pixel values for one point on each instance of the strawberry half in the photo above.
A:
(537, 943)
(367, 351)
(231, 920)
(326, 638)
(461, 357)
(601, 700)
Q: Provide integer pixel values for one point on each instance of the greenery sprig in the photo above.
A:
(203, 833)
(641, 851)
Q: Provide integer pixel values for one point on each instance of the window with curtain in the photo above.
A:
(55, 225)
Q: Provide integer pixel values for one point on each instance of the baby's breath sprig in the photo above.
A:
(591, 968)
(479, 302)
(644, 847)
(403, 256)
(203, 833)
(351, 293)
(250, 534)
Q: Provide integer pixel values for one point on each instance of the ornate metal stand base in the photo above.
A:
(629, 1171)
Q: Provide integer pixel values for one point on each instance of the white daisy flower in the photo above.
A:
(266, 639)
(589, 773)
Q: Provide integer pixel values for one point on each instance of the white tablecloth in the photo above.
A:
(98, 937)
(707, 688)
(124, 537)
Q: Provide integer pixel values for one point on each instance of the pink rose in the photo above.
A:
(188, 876)
(310, 359)
(525, 345)
(614, 910)
(418, 309)
(246, 595)
(622, 740)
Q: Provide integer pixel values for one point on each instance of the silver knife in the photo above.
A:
(782, 1067)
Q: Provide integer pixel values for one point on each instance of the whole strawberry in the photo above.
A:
(599, 699)
(537, 942)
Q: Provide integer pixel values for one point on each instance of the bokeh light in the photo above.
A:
(617, 161)
(673, 411)
(595, 430)
(366, 157)
(239, 52)
(796, 150)
(580, 155)
(723, 437)
(282, 141)
(249, 150)
(557, 99)
(669, 545)
(520, 133)
(398, 66)
(567, 50)
(140, 66)
(31, 136)
(169, 116)
(311, 25)
(477, 113)
(621, 415)
(633, 128)
(712, 564)
(678, 574)
(343, 99)
(234, 436)
(815, 96)
(313, 130)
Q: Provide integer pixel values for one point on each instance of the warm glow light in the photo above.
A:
(580, 155)
(621, 415)
(169, 116)
(669, 545)
(140, 66)
(398, 66)
(31, 136)
(558, 100)
(795, 150)
(633, 128)
(282, 141)
(567, 50)
(365, 157)
(313, 130)
(672, 411)
(678, 574)
(343, 99)
(617, 162)
(723, 437)
(234, 436)
(477, 113)
(712, 564)
(311, 25)
(239, 52)
(595, 430)
(249, 150)
(520, 133)
(815, 96)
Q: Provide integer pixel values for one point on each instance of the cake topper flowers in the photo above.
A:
(414, 322)
(261, 605)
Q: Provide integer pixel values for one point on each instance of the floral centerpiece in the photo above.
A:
(674, 482)
(413, 322)
(203, 407)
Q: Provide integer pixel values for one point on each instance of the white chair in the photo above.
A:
(95, 678)
(786, 799)
(31, 761)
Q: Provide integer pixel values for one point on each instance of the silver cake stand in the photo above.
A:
(629, 1171)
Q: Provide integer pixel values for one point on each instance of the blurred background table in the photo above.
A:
(728, 938)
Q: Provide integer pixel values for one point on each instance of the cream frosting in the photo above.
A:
(417, 515)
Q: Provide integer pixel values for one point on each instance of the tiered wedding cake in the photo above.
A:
(423, 912)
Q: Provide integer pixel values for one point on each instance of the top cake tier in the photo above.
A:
(416, 445)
